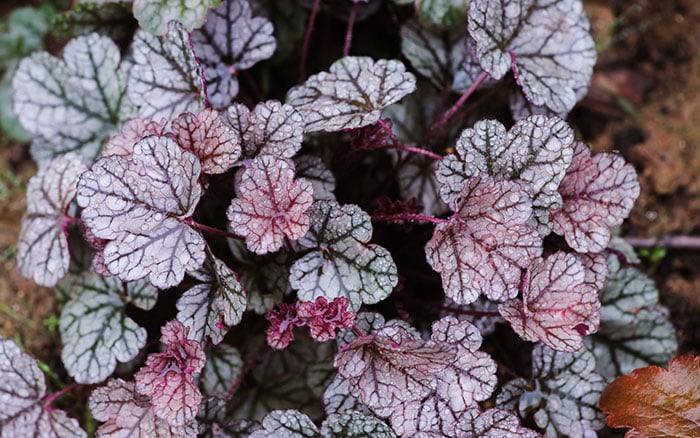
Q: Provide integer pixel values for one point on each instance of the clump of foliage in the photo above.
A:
(193, 189)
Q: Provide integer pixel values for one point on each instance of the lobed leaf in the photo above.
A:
(655, 402)
(286, 424)
(494, 228)
(154, 15)
(140, 204)
(342, 262)
(231, 40)
(494, 423)
(558, 307)
(351, 94)
(547, 44)
(337, 398)
(355, 424)
(598, 192)
(224, 365)
(111, 18)
(446, 13)
(42, 246)
(264, 278)
(271, 205)
(73, 103)
(165, 78)
(131, 133)
(313, 169)
(22, 391)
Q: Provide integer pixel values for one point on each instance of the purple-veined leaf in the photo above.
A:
(207, 136)
(230, 41)
(355, 424)
(469, 71)
(558, 306)
(444, 13)
(286, 424)
(224, 365)
(22, 388)
(131, 133)
(485, 324)
(565, 395)
(369, 323)
(271, 205)
(319, 376)
(211, 307)
(598, 192)
(165, 79)
(547, 44)
(139, 205)
(417, 180)
(215, 421)
(126, 413)
(154, 15)
(484, 250)
(313, 169)
(536, 151)
(411, 118)
(494, 423)
(73, 103)
(521, 108)
(167, 379)
(271, 128)
(95, 330)
(337, 398)
(351, 94)
(342, 262)
(596, 268)
(42, 246)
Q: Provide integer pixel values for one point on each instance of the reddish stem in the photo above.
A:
(48, 399)
(348, 32)
(410, 217)
(307, 39)
(459, 311)
(358, 332)
(397, 145)
(246, 369)
(207, 229)
(450, 112)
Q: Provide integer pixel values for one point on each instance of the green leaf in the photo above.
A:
(224, 365)
(154, 15)
(112, 19)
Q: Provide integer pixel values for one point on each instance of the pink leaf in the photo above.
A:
(325, 318)
(216, 145)
(484, 249)
(271, 205)
(599, 192)
(282, 323)
(558, 307)
(131, 133)
(167, 377)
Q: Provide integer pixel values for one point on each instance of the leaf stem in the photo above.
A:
(358, 332)
(396, 144)
(410, 217)
(669, 242)
(348, 32)
(454, 108)
(48, 399)
(207, 229)
(307, 39)
(246, 369)
(466, 312)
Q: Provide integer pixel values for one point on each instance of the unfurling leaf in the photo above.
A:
(154, 15)
(230, 41)
(207, 136)
(166, 378)
(286, 424)
(22, 389)
(494, 227)
(282, 323)
(165, 79)
(324, 317)
(342, 262)
(271, 205)
(655, 402)
(565, 395)
(598, 192)
(558, 307)
(139, 205)
(547, 44)
(353, 424)
(536, 151)
(351, 94)
(95, 330)
(211, 307)
(77, 117)
(42, 247)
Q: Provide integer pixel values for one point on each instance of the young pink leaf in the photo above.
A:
(131, 133)
(324, 317)
(494, 228)
(271, 205)
(230, 41)
(22, 389)
(271, 128)
(548, 46)
(282, 323)
(351, 94)
(139, 205)
(124, 413)
(42, 247)
(558, 306)
(599, 192)
(167, 379)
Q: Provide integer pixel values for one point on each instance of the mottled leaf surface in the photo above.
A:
(231, 40)
(565, 395)
(286, 424)
(656, 402)
(154, 15)
(485, 248)
(224, 365)
(355, 424)
(547, 44)
(95, 330)
(139, 205)
(558, 307)
(351, 94)
(264, 278)
(598, 192)
(342, 261)
(313, 169)
(73, 103)
(22, 388)
(436, 54)
(165, 79)
(271, 205)
(446, 13)
(131, 133)
(42, 246)
(494, 423)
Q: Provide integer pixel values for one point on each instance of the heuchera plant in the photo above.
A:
(193, 189)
